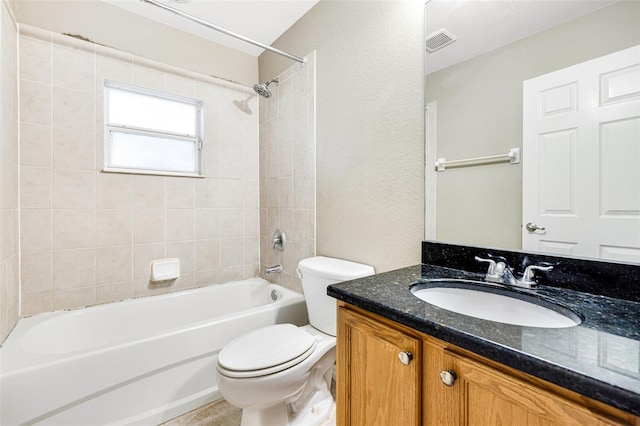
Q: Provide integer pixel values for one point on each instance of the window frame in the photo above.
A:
(109, 127)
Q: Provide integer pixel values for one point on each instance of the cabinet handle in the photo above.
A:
(405, 357)
(448, 377)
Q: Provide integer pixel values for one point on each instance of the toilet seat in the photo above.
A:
(267, 350)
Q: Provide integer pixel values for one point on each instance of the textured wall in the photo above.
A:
(370, 126)
(9, 283)
(87, 237)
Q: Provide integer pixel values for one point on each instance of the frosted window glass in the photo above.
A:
(136, 151)
(147, 131)
(143, 111)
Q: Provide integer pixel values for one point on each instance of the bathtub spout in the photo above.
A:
(273, 269)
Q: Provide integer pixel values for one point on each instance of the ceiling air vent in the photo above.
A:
(439, 39)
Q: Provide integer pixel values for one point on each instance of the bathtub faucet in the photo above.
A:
(273, 269)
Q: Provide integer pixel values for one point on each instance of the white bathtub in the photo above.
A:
(140, 361)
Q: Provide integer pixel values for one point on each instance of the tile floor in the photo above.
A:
(218, 413)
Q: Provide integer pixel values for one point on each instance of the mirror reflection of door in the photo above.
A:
(581, 150)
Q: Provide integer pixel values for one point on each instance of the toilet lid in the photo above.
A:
(282, 345)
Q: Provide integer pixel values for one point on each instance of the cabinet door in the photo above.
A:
(373, 386)
(489, 397)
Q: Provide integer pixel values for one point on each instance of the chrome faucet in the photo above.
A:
(273, 269)
(499, 272)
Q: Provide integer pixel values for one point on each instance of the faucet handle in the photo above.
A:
(497, 257)
(529, 274)
(491, 262)
(528, 277)
(278, 240)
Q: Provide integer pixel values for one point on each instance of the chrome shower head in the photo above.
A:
(263, 89)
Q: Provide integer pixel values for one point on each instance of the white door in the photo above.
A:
(581, 159)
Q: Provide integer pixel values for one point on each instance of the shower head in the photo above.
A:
(263, 89)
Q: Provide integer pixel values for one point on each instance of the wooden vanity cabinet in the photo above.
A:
(375, 387)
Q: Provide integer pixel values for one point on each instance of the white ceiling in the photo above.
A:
(484, 25)
(261, 20)
(479, 25)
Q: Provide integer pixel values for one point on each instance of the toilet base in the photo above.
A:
(320, 411)
(313, 405)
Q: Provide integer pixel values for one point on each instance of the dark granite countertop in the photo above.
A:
(600, 358)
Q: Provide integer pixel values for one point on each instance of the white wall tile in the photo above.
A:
(112, 292)
(9, 188)
(73, 109)
(180, 193)
(232, 223)
(108, 68)
(184, 251)
(207, 255)
(148, 192)
(287, 173)
(9, 178)
(114, 191)
(73, 269)
(35, 102)
(232, 163)
(233, 273)
(74, 149)
(207, 224)
(148, 226)
(36, 230)
(142, 257)
(185, 281)
(179, 85)
(74, 69)
(35, 60)
(33, 304)
(114, 227)
(252, 222)
(202, 278)
(232, 252)
(147, 77)
(251, 251)
(36, 187)
(114, 264)
(73, 228)
(232, 193)
(36, 272)
(180, 224)
(73, 189)
(35, 145)
(97, 231)
(76, 298)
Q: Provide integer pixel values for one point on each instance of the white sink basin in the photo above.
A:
(460, 296)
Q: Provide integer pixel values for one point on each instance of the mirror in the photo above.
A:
(474, 98)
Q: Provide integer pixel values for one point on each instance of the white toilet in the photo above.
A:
(281, 374)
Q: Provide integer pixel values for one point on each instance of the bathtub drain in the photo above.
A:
(274, 295)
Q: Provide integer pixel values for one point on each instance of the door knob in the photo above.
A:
(405, 357)
(448, 377)
(532, 227)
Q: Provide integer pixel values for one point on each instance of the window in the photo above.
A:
(151, 132)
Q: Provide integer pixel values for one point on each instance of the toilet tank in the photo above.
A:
(319, 272)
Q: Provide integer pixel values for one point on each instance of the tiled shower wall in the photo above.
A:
(87, 236)
(9, 266)
(287, 171)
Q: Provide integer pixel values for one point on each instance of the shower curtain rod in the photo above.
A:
(303, 61)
